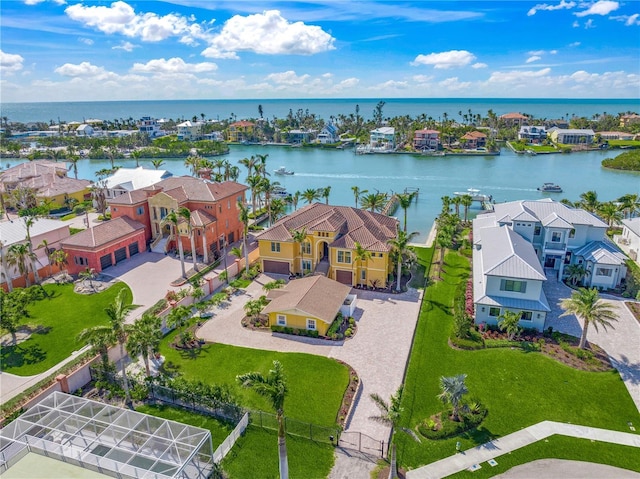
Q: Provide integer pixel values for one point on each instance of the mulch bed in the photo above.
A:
(349, 396)
(634, 308)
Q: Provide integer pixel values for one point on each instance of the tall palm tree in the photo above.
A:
(144, 337)
(254, 182)
(185, 214)
(400, 252)
(243, 212)
(630, 204)
(325, 192)
(466, 201)
(457, 201)
(249, 163)
(18, 256)
(117, 313)
(173, 219)
(585, 304)
(261, 165)
(452, 390)
(4, 269)
(610, 213)
(74, 159)
(360, 254)
(277, 209)
(589, 201)
(310, 195)
(193, 163)
(390, 413)
(357, 193)
(295, 198)
(404, 201)
(100, 338)
(446, 204)
(373, 202)
(28, 223)
(299, 236)
(135, 154)
(272, 386)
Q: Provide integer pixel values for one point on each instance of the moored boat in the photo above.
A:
(475, 195)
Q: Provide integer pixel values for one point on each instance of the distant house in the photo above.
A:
(104, 245)
(532, 134)
(383, 138)
(189, 131)
(241, 131)
(129, 179)
(474, 139)
(616, 135)
(150, 126)
(426, 139)
(328, 134)
(629, 240)
(310, 303)
(85, 130)
(514, 119)
(300, 136)
(629, 119)
(572, 136)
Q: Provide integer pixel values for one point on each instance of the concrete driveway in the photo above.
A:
(378, 352)
(622, 344)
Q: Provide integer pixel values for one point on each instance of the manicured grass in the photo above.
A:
(316, 384)
(59, 318)
(256, 453)
(561, 447)
(519, 388)
(423, 256)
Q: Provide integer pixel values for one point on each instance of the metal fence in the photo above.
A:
(294, 427)
(361, 442)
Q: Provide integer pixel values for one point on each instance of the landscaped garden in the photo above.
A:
(53, 325)
(518, 387)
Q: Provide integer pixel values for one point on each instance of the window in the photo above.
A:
(572, 233)
(275, 247)
(311, 324)
(526, 316)
(282, 320)
(604, 271)
(306, 247)
(80, 260)
(536, 231)
(140, 210)
(363, 275)
(240, 199)
(228, 204)
(556, 237)
(306, 265)
(512, 285)
(494, 311)
(344, 257)
(226, 223)
(220, 208)
(114, 209)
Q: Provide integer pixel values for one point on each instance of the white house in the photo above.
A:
(383, 138)
(572, 136)
(129, 179)
(150, 126)
(629, 240)
(328, 134)
(85, 130)
(532, 134)
(557, 236)
(190, 131)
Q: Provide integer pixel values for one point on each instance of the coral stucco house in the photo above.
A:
(329, 246)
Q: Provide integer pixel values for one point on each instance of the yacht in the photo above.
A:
(283, 171)
(550, 188)
(475, 195)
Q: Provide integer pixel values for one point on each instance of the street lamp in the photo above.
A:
(224, 256)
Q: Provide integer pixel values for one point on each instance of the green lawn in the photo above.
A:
(256, 453)
(561, 447)
(59, 318)
(316, 384)
(518, 388)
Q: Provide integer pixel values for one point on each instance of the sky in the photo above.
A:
(59, 50)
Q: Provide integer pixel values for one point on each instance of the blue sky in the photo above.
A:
(57, 50)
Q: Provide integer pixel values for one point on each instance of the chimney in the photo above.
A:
(205, 173)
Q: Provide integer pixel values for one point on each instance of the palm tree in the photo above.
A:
(446, 204)
(589, 201)
(610, 212)
(74, 159)
(18, 256)
(277, 208)
(357, 192)
(28, 223)
(401, 253)
(466, 201)
(575, 273)
(360, 254)
(404, 200)
(172, 219)
(117, 313)
(373, 201)
(509, 321)
(249, 163)
(295, 198)
(630, 204)
(261, 165)
(452, 389)
(144, 337)
(310, 195)
(4, 270)
(457, 201)
(236, 251)
(193, 163)
(254, 182)
(390, 413)
(325, 192)
(585, 304)
(273, 386)
(243, 212)
(135, 154)
(185, 214)
(299, 236)
(157, 163)
(100, 338)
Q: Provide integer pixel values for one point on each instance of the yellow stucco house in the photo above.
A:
(310, 303)
(329, 247)
(241, 131)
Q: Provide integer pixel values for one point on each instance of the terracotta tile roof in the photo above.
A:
(513, 116)
(129, 198)
(103, 233)
(371, 230)
(315, 296)
(201, 218)
(242, 123)
(472, 135)
(46, 177)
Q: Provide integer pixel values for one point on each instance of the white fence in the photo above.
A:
(224, 448)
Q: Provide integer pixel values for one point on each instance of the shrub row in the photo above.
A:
(295, 331)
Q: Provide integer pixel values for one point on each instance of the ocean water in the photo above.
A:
(324, 108)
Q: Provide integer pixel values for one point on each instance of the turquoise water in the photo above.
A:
(507, 177)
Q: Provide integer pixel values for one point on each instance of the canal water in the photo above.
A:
(506, 177)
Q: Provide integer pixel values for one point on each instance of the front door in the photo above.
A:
(550, 262)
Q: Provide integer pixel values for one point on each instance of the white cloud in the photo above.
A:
(478, 65)
(390, 85)
(589, 24)
(444, 60)
(422, 78)
(10, 63)
(287, 78)
(575, 44)
(268, 33)
(86, 41)
(84, 69)
(543, 6)
(629, 20)
(126, 46)
(454, 84)
(517, 76)
(348, 83)
(534, 58)
(120, 18)
(173, 65)
(575, 24)
(602, 7)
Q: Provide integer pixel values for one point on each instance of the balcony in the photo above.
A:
(555, 246)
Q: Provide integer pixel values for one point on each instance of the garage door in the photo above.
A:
(133, 249)
(278, 267)
(120, 254)
(105, 261)
(344, 277)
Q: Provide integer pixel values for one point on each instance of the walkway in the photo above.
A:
(621, 343)
(504, 445)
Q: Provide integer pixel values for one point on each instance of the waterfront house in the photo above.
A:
(572, 136)
(150, 126)
(629, 240)
(329, 246)
(104, 245)
(557, 236)
(328, 134)
(49, 182)
(85, 130)
(615, 135)
(241, 131)
(426, 139)
(383, 138)
(629, 119)
(514, 119)
(473, 140)
(213, 209)
(129, 179)
(310, 303)
(190, 131)
(15, 232)
(297, 137)
(532, 134)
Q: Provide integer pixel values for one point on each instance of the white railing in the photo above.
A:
(224, 448)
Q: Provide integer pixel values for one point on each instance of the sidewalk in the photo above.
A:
(479, 454)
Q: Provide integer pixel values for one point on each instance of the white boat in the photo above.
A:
(475, 195)
(282, 171)
(550, 188)
(280, 192)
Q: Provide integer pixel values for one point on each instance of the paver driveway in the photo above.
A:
(378, 352)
